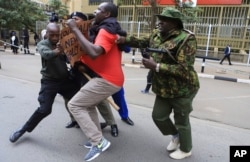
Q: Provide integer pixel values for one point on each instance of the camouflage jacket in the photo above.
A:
(176, 77)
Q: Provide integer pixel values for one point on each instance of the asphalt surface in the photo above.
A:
(220, 118)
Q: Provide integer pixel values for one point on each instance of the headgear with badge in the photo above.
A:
(171, 13)
(79, 14)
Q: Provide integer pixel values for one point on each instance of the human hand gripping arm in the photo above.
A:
(151, 64)
(58, 50)
(89, 48)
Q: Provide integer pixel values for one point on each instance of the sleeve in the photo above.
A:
(141, 42)
(45, 50)
(106, 40)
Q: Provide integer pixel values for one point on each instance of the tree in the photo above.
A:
(189, 13)
(153, 4)
(16, 14)
(58, 8)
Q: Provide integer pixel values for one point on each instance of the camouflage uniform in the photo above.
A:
(176, 83)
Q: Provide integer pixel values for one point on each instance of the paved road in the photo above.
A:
(220, 119)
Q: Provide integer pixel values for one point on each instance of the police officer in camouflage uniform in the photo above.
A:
(175, 82)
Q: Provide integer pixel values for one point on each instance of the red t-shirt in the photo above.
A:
(107, 65)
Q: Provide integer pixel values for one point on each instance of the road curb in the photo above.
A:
(201, 75)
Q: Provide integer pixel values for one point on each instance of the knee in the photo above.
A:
(45, 112)
(157, 117)
(69, 105)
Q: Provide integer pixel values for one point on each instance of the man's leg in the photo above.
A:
(46, 98)
(229, 60)
(182, 109)
(161, 116)
(68, 89)
(119, 99)
(223, 59)
(107, 114)
(83, 110)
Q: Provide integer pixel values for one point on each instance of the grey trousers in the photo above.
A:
(83, 106)
(104, 109)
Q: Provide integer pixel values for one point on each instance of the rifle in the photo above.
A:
(155, 50)
(145, 51)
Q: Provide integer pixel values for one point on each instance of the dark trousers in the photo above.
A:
(49, 89)
(228, 58)
(14, 49)
(181, 107)
(149, 80)
(26, 47)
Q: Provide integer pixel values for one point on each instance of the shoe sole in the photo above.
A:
(88, 147)
(188, 155)
(106, 147)
(174, 148)
(96, 155)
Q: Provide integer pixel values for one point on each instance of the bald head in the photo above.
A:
(52, 27)
(53, 33)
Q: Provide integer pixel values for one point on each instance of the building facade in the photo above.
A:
(219, 23)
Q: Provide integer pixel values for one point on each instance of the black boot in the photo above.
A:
(72, 124)
(128, 121)
(114, 130)
(17, 134)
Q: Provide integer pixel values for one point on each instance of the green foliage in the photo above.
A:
(189, 13)
(58, 7)
(16, 14)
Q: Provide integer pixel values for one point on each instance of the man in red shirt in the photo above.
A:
(103, 57)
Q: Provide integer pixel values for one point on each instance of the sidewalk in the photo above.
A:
(238, 72)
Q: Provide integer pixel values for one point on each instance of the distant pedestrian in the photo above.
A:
(26, 41)
(227, 53)
(43, 34)
(14, 42)
(36, 38)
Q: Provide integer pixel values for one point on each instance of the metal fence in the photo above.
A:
(40, 25)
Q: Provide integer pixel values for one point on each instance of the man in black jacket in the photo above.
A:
(26, 41)
(55, 79)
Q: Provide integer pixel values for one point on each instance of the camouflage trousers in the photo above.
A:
(181, 108)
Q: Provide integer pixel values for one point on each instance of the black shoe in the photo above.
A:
(128, 121)
(72, 124)
(103, 125)
(114, 130)
(16, 135)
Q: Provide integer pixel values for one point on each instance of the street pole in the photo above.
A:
(248, 57)
(208, 40)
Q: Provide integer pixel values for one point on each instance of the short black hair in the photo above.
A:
(112, 8)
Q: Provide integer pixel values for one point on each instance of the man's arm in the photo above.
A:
(89, 48)
(46, 52)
